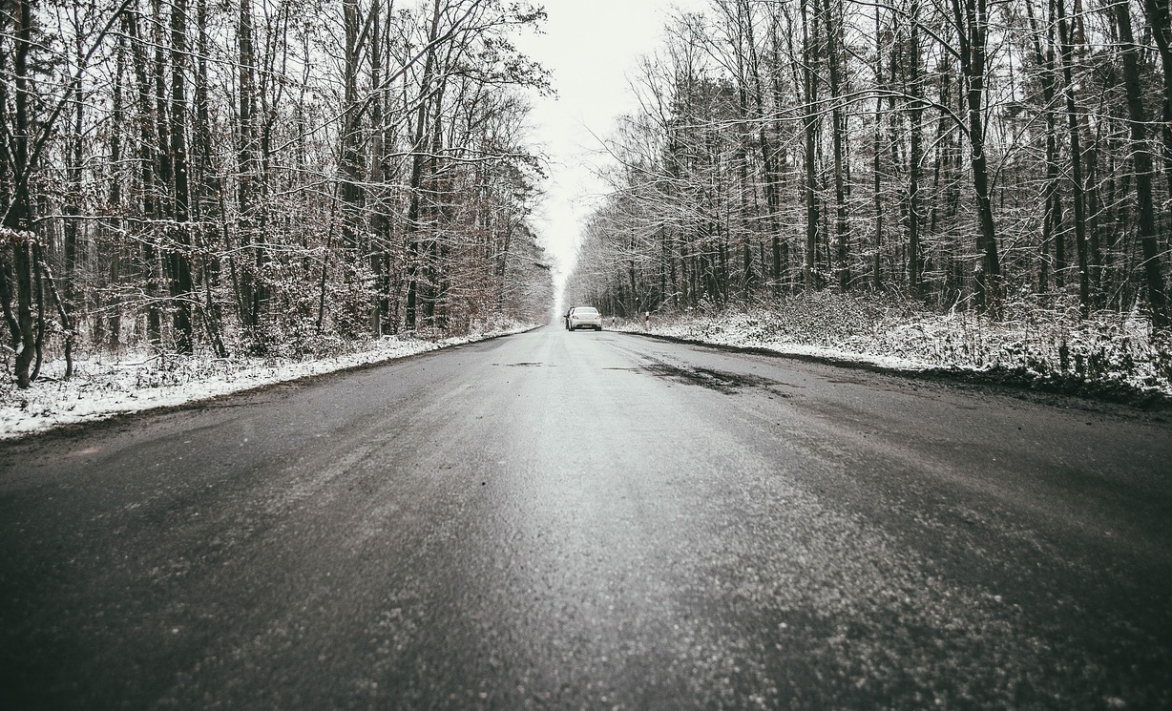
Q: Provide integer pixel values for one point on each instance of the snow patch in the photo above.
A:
(103, 386)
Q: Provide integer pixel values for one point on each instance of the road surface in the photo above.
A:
(593, 521)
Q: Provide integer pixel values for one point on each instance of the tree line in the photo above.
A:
(957, 152)
(262, 175)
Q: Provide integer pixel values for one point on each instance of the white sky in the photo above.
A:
(591, 47)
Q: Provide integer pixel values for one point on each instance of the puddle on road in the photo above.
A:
(718, 380)
(842, 380)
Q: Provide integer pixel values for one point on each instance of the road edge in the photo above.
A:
(69, 430)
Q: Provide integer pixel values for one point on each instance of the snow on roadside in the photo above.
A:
(1037, 346)
(102, 387)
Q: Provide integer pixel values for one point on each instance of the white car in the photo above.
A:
(584, 317)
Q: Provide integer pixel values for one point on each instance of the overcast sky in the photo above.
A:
(592, 48)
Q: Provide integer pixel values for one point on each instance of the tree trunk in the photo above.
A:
(418, 142)
(379, 223)
(113, 327)
(1076, 167)
(1051, 199)
(915, 154)
(208, 186)
(72, 227)
(810, 125)
(971, 20)
(877, 157)
(768, 169)
(833, 28)
(18, 217)
(1160, 22)
(182, 287)
(351, 166)
(1142, 164)
(249, 290)
(148, 177)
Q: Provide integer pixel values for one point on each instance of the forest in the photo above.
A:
(998, 158)
(266, 177)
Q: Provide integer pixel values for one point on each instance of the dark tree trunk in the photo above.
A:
(1076, 166)
(72, 227)
(833, 28)
(971, 18)
(810, 126)
(915, 154)
(249, 289)
(877, 158)
(768, 168)
(113, 326)
(18, 217)
(1051, 199)
(1160, 22)
(181, 283)
(148, 177)
(1142, 163)
(419, 141)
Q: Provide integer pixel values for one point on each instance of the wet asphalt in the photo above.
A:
(593, 521)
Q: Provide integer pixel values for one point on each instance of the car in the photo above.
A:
(584, 317)
(567, 316)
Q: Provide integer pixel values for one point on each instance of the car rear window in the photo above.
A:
(581, 310)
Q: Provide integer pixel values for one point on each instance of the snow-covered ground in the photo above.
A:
(1107, 352)
(103, 386)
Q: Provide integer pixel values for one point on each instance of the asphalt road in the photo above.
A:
(593, 521)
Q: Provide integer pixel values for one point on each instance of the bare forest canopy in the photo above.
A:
(263, 175)
(961, 153)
